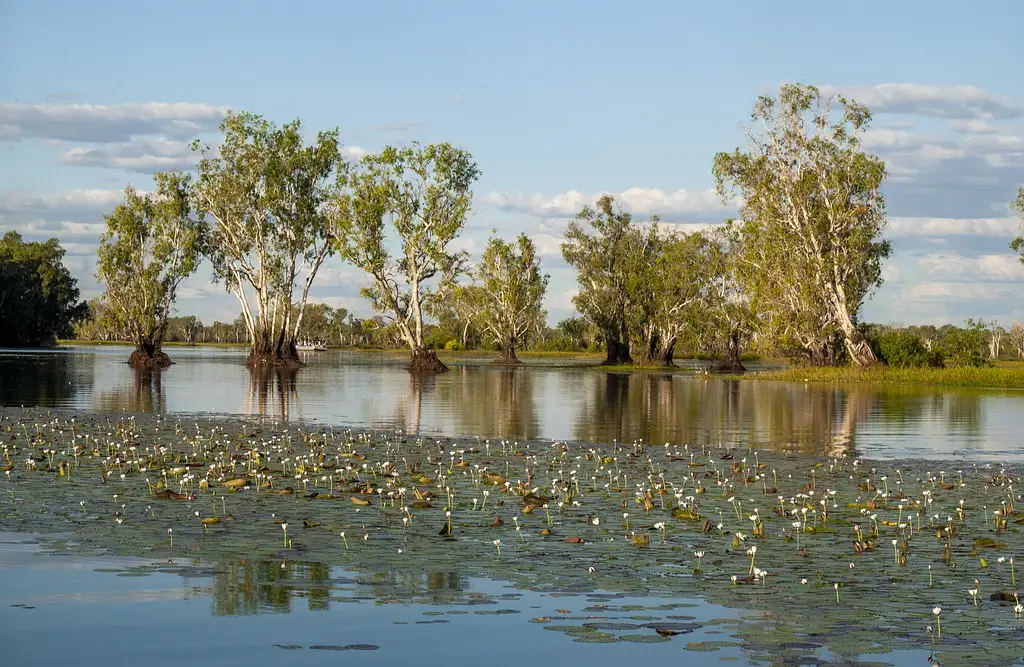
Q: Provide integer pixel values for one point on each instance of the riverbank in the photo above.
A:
(1006, 375)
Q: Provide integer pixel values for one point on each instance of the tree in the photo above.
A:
(152, 243)
(458, 313)
(511, 294)
(1016, 336)
(726, 321)
(966, 346)
(608, 266)
(265, 192)
(812, 215)
(676, 291)
(1017, 245)
(39, 300)
(425, 193)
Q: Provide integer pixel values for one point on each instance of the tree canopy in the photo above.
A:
(152, 243)
(1017, 245)
(39, 299)
(424, 192)
(609, 262)
(511, 291)
(265, 193)
(811, 219)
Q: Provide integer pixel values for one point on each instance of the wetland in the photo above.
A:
(559, 509)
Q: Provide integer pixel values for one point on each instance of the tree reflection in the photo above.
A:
(273, 392)
(248, 587)
(50, 378)
(268, 586)
(658, 408)
(144, 393)
(494, 401)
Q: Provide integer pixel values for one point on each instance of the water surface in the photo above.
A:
(568, 402)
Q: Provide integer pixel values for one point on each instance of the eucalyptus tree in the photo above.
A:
(1017, 245)
(265, 192)
(812, 217)
(151, 244)
(397, 223)
(510, 293)
(610, 262)
(725, 321)
(677, 289)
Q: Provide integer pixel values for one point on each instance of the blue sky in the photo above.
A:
(557, 101)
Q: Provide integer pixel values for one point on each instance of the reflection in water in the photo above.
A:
(43, 377)
(481, 400)
(498, 403)
(143, 394)
(247, 587)
(272, 392)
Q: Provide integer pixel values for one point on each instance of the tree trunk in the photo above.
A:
(268, 351)
(425, 361)
(148, 355)
(508, 354)
(617, 344)
(857, 345)
(731, 363)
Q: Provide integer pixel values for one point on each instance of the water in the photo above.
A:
(59, 609)
(568, 402)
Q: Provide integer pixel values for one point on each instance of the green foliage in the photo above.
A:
(812, 218)
(903, 349)
(39, 300)
(1017, 245)
(454, 345)
(266, 195)
(609, 263)
(509, 290)
(152, 242)
(425, 193)
(966, 346)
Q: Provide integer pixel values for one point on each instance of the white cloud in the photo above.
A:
(635, 200)
(143, 154)
(74, 205)
(954, 102)
(107, 124)
(966, 292)
(354, 153)
(989, 227)
(973, 126)
(998, 268)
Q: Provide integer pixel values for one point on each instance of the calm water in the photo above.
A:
(63, 609)
(569, 402)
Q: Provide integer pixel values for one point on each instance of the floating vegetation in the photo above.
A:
(837, 553)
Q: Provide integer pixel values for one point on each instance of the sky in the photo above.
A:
(558, 102)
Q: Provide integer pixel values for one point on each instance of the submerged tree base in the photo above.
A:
(728, 366)
(143, 359)
(272, 359)
(425, 361)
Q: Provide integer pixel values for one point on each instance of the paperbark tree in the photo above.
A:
(424, 191)
(812, 205)
(609, 263)
(152, 242)
(673, 293)
(1017, 245)
(1016, 336)
(265, 192)
(511, 294)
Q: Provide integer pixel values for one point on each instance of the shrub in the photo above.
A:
(902, 349)
(454, 345)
